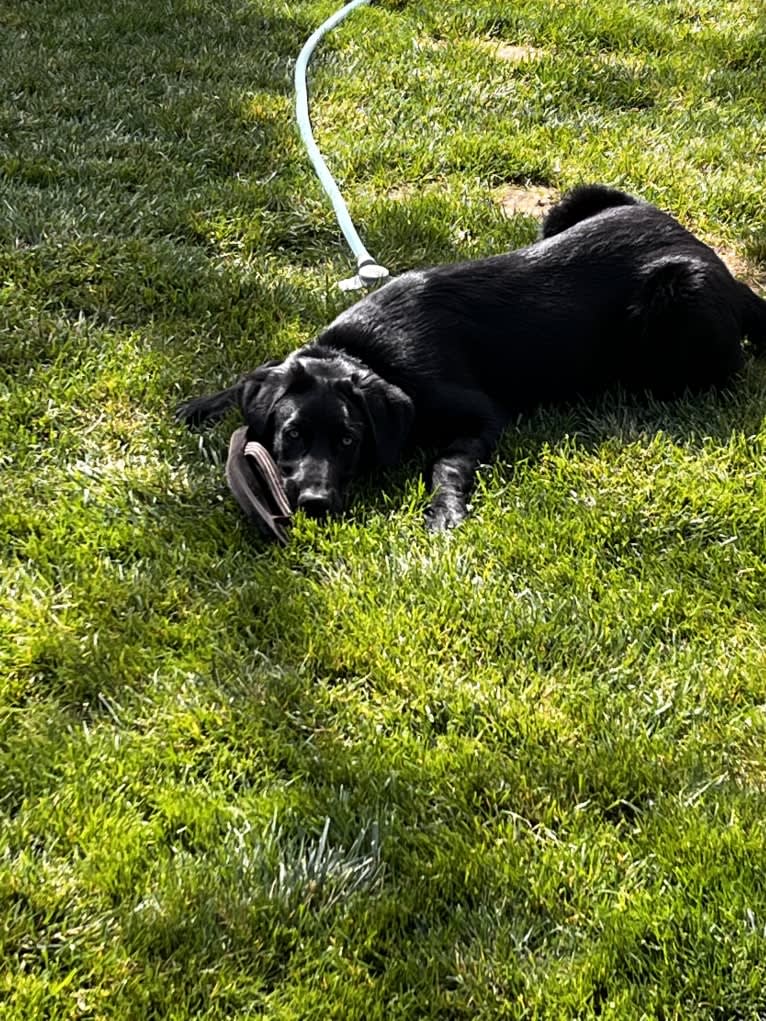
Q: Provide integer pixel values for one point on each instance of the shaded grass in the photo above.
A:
(516, 771)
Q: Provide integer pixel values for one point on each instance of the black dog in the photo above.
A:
(615, 293)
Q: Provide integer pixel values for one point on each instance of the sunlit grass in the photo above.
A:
(514, 771)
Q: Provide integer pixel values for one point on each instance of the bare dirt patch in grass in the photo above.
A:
(513, 54)
(509, 52)
(401, 192)
(532, 200)
(742, 268)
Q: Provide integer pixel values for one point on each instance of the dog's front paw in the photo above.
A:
(442, 515)
(192, 413)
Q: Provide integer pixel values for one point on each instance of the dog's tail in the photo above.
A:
(753, 318)
(582, 203)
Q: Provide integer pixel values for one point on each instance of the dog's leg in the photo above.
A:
(453, 476)
(689, 328)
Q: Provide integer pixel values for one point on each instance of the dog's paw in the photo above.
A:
(192, 413)
(442, 516)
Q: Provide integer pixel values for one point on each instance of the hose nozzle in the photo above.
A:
(369, 274)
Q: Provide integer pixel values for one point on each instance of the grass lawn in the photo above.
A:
(517, 771)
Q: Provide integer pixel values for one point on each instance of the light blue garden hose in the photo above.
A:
(369, 272)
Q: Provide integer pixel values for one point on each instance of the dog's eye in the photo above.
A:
(347, 440)
(292, 433)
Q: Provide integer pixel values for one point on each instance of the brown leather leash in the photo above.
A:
(256, 484)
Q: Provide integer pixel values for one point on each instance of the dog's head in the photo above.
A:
(325, 419)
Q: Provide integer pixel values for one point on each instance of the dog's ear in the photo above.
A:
(260, 392)
(389, 413)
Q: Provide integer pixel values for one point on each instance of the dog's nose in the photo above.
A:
(316, 505)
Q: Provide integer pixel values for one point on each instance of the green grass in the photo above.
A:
(512, 772)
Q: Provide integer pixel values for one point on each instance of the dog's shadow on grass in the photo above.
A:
(690, 420)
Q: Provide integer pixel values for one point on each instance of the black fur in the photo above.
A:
(581, 203)
(616, 292)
